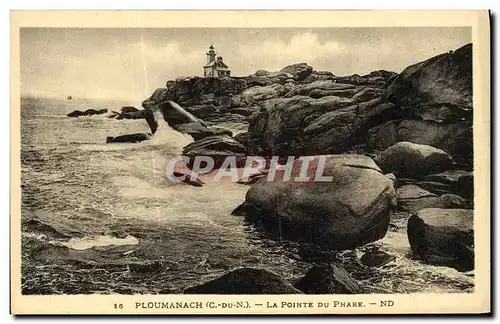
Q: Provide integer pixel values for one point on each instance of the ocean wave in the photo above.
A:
(41, 228)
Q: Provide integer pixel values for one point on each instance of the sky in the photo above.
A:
(130, 63)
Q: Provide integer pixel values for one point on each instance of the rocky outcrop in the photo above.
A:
(128, 112)
(300, 111)
(218, 148)
(200, 91)
(128, 109)
(361, 110)
(443, 237)
(246, 281)
(324, 88)
(203, 111)
(174, 114)
(454, 138)
(438, 92)
(209, 98)
(439, 89)
(299, 71)
(410, 160)
(328, 279)
(140, 114)
(375, 78)
(88, 112)
(322, 117)
(350, 210)
(302, 125)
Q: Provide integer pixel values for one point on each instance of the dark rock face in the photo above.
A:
(454, 138)
(439, 89)
(198, 131)
(460, 182)
(412, 198)
(375, 78)
(328, 279)
(200, 91)
(128, 112)
(406, 159)
(321, 117)
(179, 119)
(465, 186)
(438, 93)
(175, 114)
(140, 114)
(75, 113)
(245, 281)
(129, 138)
(300, 71)
(217, 147)
(245, 111)
(304, 126)
(203, 111)
(88, 112)
(128, 109)
(443, 237)
(376, 258)
(341, 219)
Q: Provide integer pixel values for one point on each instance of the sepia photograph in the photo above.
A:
(242, 160)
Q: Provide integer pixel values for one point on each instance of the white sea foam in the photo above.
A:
(166, 134)
(98, 241)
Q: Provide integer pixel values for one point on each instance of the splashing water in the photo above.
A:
(166, 134)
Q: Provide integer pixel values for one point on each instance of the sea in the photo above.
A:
(103, 218)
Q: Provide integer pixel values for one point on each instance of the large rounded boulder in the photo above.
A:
(410, 160)
(342, 206)
(299, 71)
(443, 237)
(245, 281)
(328, 279)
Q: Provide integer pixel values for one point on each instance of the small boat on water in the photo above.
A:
(69, 98)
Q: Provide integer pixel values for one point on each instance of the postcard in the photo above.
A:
(250, 162)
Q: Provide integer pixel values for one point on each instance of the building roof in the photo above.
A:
(222, 65)
(218, 65)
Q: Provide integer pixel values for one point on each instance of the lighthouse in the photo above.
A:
(211, 54)
(215, 66)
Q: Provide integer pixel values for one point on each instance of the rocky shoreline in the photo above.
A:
(394, 144)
